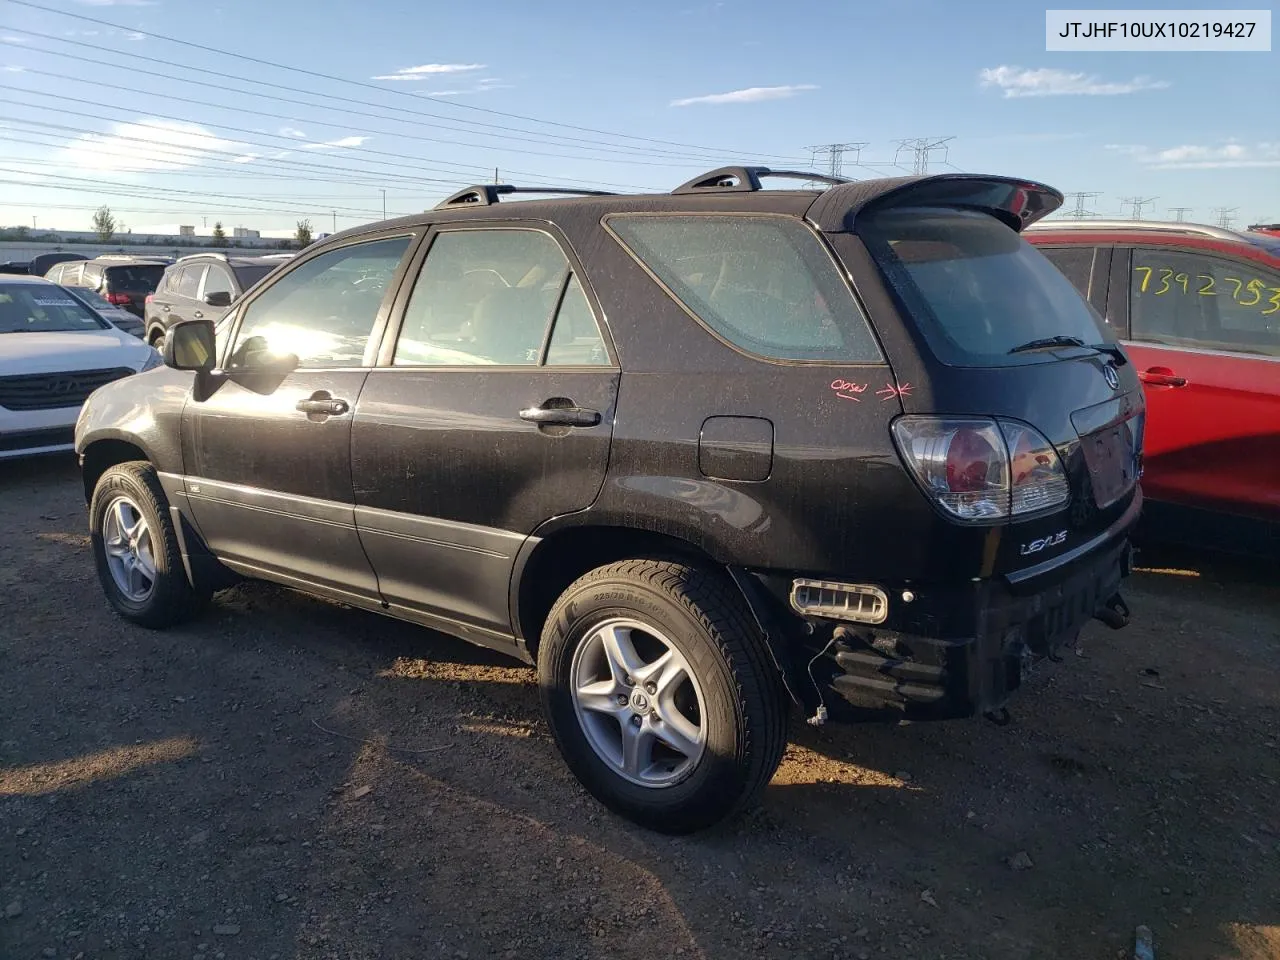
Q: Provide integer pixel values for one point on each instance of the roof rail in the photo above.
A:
(485, 194)
(1162, 226)
(747, 180)
(188, 256)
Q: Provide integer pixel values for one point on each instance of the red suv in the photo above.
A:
(1198, 311)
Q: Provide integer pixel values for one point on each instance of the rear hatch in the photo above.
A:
(133, 282)
(1024, 419)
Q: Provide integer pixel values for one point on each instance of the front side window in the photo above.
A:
(487, 297)
(218, 281)
(323, 311)
(765, 284)
(42, 308)
(975, 287)
(1196, 300)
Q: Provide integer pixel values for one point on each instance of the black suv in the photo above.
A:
(122, 279)
(699, 456)
(194, 284)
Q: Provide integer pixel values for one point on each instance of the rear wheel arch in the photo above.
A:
(545, 572)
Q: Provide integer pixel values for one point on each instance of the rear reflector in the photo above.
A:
(859, 602)
(982, 470)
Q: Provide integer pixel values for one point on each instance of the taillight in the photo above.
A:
(982, 470)
(148, 298)
(119, 299)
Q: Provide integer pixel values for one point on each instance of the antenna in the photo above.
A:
(922, 148)
(1225, 216)
(1079, 212)
(1138, 203)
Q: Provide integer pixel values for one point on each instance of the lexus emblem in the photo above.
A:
(1112, 378)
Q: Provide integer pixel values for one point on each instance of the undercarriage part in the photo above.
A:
(1001, 717)
(1114, 612)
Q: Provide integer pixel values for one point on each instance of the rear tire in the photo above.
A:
(135, 548)
(705, 715)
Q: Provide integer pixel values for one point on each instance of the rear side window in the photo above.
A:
(976, 288)
(189, 282)
(765, 284)
(1076, 264)
(248, 276)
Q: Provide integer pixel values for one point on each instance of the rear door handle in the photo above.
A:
(328, 406)
(561, 416)
(1160, 377)
(198, 315)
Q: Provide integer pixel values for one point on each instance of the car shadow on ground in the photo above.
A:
(290, 777)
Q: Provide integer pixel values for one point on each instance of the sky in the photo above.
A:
(272, 112)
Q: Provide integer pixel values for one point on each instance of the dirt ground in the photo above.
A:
(291, 779)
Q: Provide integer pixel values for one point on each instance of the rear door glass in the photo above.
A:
(975, 287)
(765, 284)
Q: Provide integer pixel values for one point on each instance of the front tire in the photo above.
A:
(661, 694)
(135, 549)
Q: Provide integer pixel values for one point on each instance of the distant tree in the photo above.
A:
(303, 236)
(104, 224)
(219, 235)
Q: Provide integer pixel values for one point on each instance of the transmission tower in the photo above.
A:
(1180, 212)
(1137, 203)
(1225, 216)
(834, 154)
(1079, 212)
(922, 150)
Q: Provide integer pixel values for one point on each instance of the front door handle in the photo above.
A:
(1161, 377)
(568, 416)
(324, 405)
(198, 315)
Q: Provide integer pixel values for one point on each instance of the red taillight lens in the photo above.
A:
(119, 299)
(149, 297)
(982, 470)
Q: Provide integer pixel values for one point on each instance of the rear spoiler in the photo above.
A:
(1015, 202)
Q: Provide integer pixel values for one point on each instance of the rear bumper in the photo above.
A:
(864, 672)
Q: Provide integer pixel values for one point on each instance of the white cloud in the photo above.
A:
(1047, 82)
(748, 95)
(10, 38)
(135, 35)
(336, 144)
(429, 70)
(13, 68)
(1223, 156)
(118, 3)
(148, 144)
(292, 132)
(482, 86)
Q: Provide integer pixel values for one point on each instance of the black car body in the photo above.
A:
(777, 422)
(123, 280)
(203, 285)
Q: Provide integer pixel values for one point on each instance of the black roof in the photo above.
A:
(1015, 201)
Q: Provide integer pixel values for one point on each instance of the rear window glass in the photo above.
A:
(144, 278)
(765, 284)
(977, 289)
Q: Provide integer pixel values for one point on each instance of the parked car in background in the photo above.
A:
(202, 285)
(15, 267)
(1198, 310)
(41, 263)
(54, 352)
(116, 316)
(1271, 229)
(701, 457)
(122, 279)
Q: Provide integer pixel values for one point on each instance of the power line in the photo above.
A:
(1225, 216)
(1180, 212)
(369, 86)
(1137, 203)
(834, 152)
(364, 112)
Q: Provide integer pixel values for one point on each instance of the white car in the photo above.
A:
(54, 352)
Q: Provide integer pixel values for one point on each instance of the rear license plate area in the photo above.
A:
(1109, 455)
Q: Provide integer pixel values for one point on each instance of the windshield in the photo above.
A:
(977, 288)
(43, 308)
(248, 276)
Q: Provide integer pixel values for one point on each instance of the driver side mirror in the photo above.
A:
(219, 298)
(190, 345)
